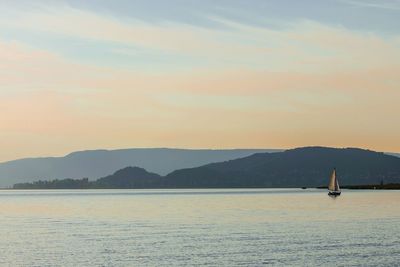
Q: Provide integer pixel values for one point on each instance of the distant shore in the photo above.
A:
(370, 187)
(352, 187)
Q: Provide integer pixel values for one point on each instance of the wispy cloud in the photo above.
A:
(381, 4)
(306, 45)
(256, 85)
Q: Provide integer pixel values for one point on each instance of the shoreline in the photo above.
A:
(349, 187)
(391, 186)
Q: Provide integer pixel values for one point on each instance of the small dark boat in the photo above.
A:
(304, 187)
(334, 189)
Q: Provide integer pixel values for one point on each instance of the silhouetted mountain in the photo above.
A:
(394, 154)
(130, 177)
(309, 166)
(99, 163)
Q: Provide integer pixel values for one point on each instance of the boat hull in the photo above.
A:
(334, 193)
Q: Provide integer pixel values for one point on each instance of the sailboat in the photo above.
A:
(334, 189)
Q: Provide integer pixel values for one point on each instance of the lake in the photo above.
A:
(216, 227)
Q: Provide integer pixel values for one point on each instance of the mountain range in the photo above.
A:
(308, 166)
(99, 163)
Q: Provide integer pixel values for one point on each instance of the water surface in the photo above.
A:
(217, 227)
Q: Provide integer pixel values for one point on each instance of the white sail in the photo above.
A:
(337, 185)
(332, 182)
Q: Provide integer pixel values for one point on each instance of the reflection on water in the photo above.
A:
(183, 227)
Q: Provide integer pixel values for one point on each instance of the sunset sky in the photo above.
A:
(78, 75)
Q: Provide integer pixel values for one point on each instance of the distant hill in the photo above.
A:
(309, 166)
(130, 177)
(394, 154)
(99, 163)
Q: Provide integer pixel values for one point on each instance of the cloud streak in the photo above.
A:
(302, 45)
(390, 5)
(302, 84)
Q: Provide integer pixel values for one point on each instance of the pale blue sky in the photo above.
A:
(377, 17)
(380, 16)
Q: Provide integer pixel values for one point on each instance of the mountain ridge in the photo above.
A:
(299, 167)
(101, 162)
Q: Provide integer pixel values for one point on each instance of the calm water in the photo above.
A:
(199, 227)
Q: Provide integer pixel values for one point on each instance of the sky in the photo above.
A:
(77, 75)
